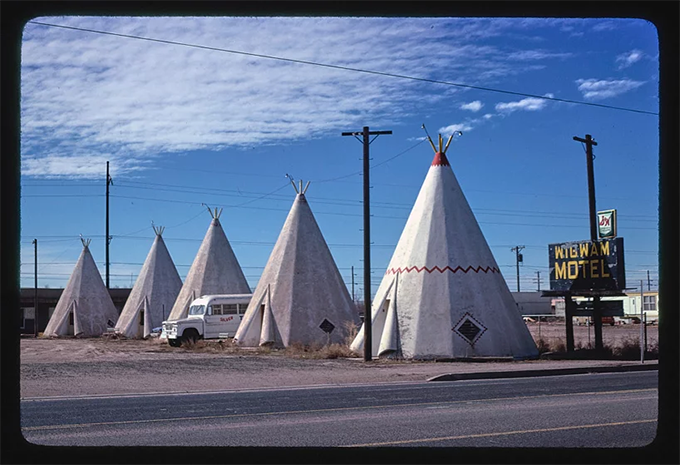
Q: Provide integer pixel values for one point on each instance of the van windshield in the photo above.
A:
(197, 310)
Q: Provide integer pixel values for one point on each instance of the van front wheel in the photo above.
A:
(190, 335)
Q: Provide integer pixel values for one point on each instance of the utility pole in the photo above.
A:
(589, 141)
(368, 341)
(538, 280)
(649, 282)
(35, 287)
(109, 181)
(597, 315)
(353, 298)
(518, 258)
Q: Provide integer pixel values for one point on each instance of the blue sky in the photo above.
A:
(183, 126)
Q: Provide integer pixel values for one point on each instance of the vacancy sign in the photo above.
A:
(606, 223)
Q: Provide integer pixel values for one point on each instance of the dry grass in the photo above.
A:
(621, 342)
(325, 351)
(316, 351)
(214, 346)
(624, 349)
(227, 346)
(553, 344)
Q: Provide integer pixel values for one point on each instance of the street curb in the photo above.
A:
(546, 372)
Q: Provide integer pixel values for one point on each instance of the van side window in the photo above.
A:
(242, 308)
(229, 309)
(217, 309)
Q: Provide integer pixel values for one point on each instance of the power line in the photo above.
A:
(373, 216)
(79, 185)
(217, 172)
(343, 68)
(343, 202)
(74, 238)
(413, 186)
(64, 195)
(373, 166)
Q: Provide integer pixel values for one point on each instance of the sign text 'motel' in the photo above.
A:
(587, 265)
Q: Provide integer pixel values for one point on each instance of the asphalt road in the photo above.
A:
(594, 410)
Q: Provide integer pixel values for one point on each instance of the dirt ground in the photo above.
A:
(100, 366)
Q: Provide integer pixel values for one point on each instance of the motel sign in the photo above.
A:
(587, 265)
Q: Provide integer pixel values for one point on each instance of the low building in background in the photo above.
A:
(631, 303)
(531, 304)
(47, 301)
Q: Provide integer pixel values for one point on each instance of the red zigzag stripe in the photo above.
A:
(408, 269)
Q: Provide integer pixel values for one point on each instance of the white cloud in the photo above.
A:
(84, 95)
(600, 89)
(571, 29)
(526, 55)
(628, 58)
(528, 104)
(487, 116)
(79, 166)
(472, 106)
(448, 130)
(604, 26)
(88, 98)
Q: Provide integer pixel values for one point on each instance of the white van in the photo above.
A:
(209, 317)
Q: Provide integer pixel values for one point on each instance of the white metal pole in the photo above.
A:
(642, 311)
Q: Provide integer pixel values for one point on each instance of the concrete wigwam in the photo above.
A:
(85, 307)
(443, 295)
(153, 294)
(301, 297)
(215, 270)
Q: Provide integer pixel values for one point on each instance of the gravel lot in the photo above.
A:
(100, 366)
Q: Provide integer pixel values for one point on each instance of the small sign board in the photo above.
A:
(606, 224)
(586, 265)
(607, 308)
(326, 326)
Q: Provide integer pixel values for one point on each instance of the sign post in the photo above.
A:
(592, 269)
(588, 268)
(569, 321)
(642, 313)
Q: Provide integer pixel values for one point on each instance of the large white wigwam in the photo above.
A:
(215, 270)
(153, 294)
(443, 295)
(301, 297)
(85, 307)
